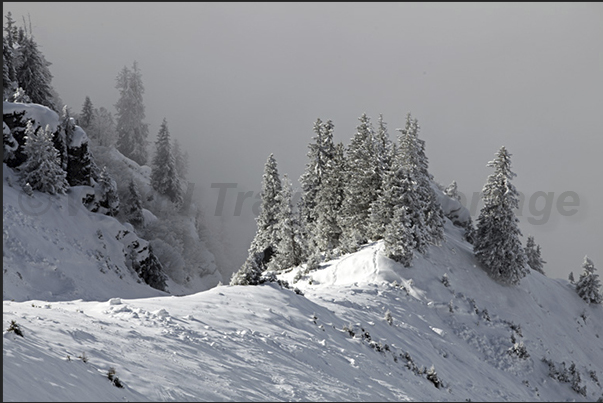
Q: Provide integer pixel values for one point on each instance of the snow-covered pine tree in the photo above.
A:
(42, 168)
(588, 284)
(87, 115)
(288, 249)
(251, 271)
(266, 237)
(102, 127)
(413, 158)
(322, 149)
(108, 199)
(383, 207)
(327, 232)
(361, 186)
(132, 132)
(181, 159)
(33, 74)
(497, 245)
(164, 177)
(451, 191)
(133, 205)
(533, 257)
(398, 239)
(382, 150)
(9, 57)
(9, 142)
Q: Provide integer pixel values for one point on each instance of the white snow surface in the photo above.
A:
(267, 343)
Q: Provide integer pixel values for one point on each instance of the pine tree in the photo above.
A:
(266, 237)
(133, 205)
(108, 197)
(132, 132)
(329, 197)
(288, 249)
(181, 160)
(87, 114)
(533, 255)
(9, 143)
(9, 57)
(42, 168)
(497, 245)
(102, 127)
(413, 159)
(33, 74)
(164, 177)
(588, 284)
(251, 271)
(361, 186)
(322, 150)
(399, 237)
(451, 191)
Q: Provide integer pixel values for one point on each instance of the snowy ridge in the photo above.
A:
(251, 343)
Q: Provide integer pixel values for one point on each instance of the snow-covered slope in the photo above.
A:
(333, 343)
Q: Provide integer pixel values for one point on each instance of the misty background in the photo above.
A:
(238, 81)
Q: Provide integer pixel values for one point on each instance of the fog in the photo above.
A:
(238, 81)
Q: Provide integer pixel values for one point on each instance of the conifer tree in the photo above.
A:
(181, 159)
(102, 127)
(87, 114)
(289, 247)
(33, 74)
(164, 177)
(9, 56)
(329, 199)
(133, 205)
(9, 143)
(588, 284)
(533, 257)
(322, 150)
(497, 245)
(452, 192)
(266, 237)
(132, 132)
(108, 198)
(42, 168)
(413, 159)
(399, 237)
(361, 186)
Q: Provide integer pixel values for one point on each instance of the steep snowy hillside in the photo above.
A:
(365, 329)
(56, 249)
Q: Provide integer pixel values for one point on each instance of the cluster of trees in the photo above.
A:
(377, 189)
(373, 189)
(52, 160)
(26, 75)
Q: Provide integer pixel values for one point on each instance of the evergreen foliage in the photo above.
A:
(132, 132)
(288, 249)
(533, 257)
(108, 200)
(133, 205)
(361, 186)
(329, 198)
(164, 176)
(497, 245)
(42, 168)
(267, 237)
(33, 74)
(322, 150)
(181, 160)
(87, 114)
(588, 284)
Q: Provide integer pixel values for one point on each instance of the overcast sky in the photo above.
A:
(238, 81)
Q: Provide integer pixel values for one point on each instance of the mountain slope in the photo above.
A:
(333, 343)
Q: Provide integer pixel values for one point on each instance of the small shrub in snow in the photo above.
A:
(519, 350)
(432, 376)
(114, 379)
(588, 285)
(388, 317)
(14, 327)
(83, 357)
(445, 281)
